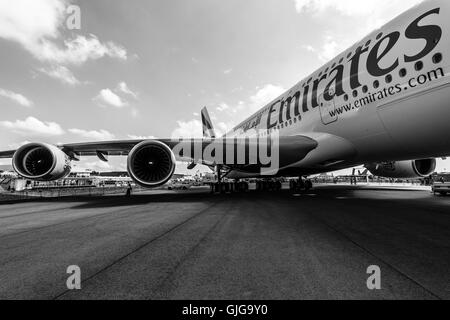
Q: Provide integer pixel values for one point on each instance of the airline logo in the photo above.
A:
(376, 64)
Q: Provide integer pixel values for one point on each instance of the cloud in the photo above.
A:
(62, 74)
(95, 135)
(223, 128)
(75, 51)
(188, 129)
(134, 112)
(355, 7)
(243, 109)
(222, 107)
(261, 98)
(368, 16)
(29, 21)
(134, 137)
(16, 97)
(94, 164)
(79, 50)
(264, 96)
(106, 96)
(232, 113)
(17, 145)
(228, 71)
(123, 87)
(309, 48)
(33, 127)
(329, 48)
(348, 7)
(35, 25)
(237, 89)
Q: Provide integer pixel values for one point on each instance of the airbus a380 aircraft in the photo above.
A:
(383, 103)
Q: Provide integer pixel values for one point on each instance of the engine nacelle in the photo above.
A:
(41, 162)
(404, 169)
(151, 164)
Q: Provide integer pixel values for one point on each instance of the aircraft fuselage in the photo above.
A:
(387, 98)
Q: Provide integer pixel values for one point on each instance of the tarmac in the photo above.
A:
(252, 246)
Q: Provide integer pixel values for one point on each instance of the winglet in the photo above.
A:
(208, 130)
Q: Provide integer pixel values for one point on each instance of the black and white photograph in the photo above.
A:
(223, 156)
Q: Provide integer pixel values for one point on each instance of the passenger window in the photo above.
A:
(437, 58)
(388, 78)
(419, 65)
(376, 84)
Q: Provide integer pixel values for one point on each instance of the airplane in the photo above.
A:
(384, 104)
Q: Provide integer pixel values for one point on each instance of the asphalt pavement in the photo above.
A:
(194, 245)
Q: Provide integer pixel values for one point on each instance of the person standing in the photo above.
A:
(129, 189)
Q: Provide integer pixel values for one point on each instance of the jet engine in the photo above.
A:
(404, 169)
(41, 162)
(151, 164)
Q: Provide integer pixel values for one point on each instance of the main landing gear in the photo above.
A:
(227, 187)
(268, 185)
(300, 186)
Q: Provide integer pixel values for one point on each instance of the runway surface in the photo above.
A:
(193, 245)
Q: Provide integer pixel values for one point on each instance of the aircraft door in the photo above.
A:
(327, 109)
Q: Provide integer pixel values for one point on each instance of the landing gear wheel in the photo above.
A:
(308, 185)
(278, 186)
(292, 185)
(299, 186)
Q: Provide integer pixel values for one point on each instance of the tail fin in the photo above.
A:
(208, 130)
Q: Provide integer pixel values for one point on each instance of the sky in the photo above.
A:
(144, 69)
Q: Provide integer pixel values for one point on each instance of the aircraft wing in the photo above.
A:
(291, 149)
(7, 154)
(112, 148)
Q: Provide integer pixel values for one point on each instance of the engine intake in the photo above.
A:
(41, 161)
(424, 168)
(151, 164)
(404, 169)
